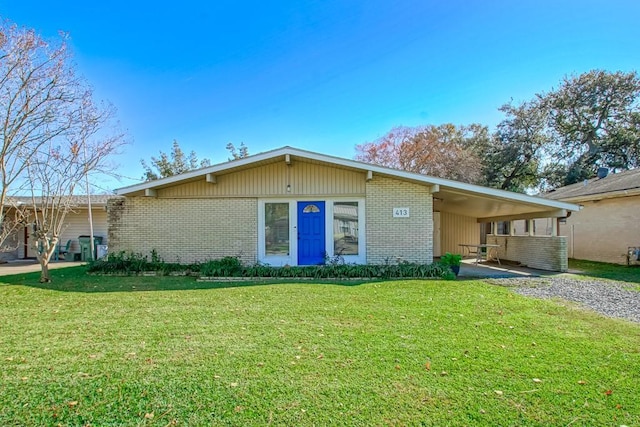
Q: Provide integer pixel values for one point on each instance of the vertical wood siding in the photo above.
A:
(304, 178)
(456, 229)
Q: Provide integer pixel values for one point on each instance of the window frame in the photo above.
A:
(292, 257)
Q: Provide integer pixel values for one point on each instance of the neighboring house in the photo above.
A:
(76, 224)
(295, 207)
(609, 221)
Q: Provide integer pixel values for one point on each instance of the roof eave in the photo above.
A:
(603, 196)
(437, 183)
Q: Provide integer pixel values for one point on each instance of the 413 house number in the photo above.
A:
(401, 212)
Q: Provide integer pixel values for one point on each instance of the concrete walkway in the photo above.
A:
(469, 269)
(29, 266)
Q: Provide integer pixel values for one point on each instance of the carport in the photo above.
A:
(469, 214)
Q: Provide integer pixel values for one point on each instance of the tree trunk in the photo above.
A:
(46, 249)
(44, 275)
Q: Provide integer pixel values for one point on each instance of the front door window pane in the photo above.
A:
(276, 228)
(345, 228)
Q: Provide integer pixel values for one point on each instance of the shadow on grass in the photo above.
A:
(76, 279)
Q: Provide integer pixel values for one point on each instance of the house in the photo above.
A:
(296, 207)
(76, 225)
(608, 222)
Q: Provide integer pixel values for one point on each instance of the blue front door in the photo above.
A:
(311, 235)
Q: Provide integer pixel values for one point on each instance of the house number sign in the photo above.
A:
(401, 212)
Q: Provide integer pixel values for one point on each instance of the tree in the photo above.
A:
(60, 167)
(595, 120)
(237, 153)
(444, 151)
(38, 89)
(172, 164)
(53, 135)
(514, 158)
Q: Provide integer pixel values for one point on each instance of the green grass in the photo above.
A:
(593, 269)
(170, 351)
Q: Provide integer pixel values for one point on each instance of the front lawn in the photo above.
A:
(91, 350)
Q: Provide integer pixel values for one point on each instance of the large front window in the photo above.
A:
(276, 228)
(345, 228)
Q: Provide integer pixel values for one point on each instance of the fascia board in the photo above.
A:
(443, 183)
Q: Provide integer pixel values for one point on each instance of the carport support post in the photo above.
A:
(554, 226)
(530, 223)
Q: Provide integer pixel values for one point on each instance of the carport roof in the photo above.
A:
(485, 204)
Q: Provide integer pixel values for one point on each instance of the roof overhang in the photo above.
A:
(485, 204)
(603, 196)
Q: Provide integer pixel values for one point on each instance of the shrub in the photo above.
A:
(228, 266)
(135, 263)
(450, 259)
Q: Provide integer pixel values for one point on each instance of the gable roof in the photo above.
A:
(620, 184)
(484, 203)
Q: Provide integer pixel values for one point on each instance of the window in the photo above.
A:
(345, 228)
(276, 228)
(311, 209)
(527, 228)
(503, 228)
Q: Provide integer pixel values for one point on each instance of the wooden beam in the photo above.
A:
(558, 213)
(369, 175)
(148, 192)
(211, 178)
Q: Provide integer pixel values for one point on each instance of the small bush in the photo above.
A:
(135, 263)
(450, 259)
(228, 266)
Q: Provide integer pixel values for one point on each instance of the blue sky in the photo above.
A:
(323, 75)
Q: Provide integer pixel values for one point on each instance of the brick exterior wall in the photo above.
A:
(541, 252)
(392, 239)
(604, 229)
(185, 230)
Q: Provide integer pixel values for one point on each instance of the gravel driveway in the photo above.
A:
(613, 299)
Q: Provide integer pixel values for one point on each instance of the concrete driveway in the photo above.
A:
(30, 266)
(469, 269)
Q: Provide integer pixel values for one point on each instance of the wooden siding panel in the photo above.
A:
(456, 229)
(306, 179)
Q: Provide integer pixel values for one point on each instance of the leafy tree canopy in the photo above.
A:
(178, 162)
(237, 153)
(594, 119)
(173, 163)
(555, 139)
(513, 159)
(445, 151)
